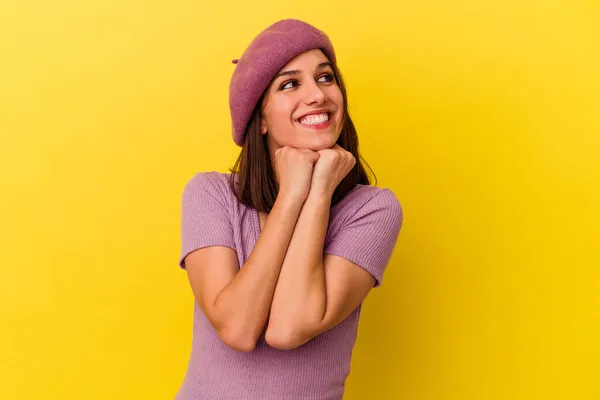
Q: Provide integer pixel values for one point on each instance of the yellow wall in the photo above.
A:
(482, 116)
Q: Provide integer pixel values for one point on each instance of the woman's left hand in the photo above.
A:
(330, 169)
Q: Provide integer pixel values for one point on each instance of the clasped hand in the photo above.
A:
(301, 172)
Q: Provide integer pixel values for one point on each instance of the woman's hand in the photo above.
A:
(294, 170)
(330, 169)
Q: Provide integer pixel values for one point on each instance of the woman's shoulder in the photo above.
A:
(209, 176)
(210, 182)
(367, 205)
(363, 194)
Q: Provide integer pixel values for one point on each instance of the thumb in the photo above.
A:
(314, 156)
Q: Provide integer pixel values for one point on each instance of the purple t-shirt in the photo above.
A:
(363, 228)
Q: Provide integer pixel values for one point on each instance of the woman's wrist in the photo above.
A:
(290, 199)
(319, 196)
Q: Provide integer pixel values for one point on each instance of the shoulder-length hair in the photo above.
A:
(256, 185)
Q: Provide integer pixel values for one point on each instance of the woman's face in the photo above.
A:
(303, 106)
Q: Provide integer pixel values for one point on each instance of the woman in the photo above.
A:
(281, 253)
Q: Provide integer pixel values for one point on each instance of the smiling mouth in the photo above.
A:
(316, 120)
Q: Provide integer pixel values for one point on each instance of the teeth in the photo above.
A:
(315, 119)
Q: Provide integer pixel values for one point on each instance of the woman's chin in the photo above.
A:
(322, 142)
(318, 146)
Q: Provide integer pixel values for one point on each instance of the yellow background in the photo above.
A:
(482, 116)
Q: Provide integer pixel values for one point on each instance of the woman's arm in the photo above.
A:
(313, 292)
(300, 298)
(237, 303)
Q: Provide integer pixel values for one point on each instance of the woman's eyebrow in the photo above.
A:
(297, 71)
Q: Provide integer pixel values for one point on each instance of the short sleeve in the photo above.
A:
(368, 237)
(204, 215)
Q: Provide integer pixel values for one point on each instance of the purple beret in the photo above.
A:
(265, 56)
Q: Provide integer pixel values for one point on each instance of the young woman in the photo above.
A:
(282, 252)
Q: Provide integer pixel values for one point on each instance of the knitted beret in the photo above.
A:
(265, 56)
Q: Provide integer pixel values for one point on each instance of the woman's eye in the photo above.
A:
(291, 84)
(287, 85)
(326, 78)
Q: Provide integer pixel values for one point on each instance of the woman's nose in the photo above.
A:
(314, 94)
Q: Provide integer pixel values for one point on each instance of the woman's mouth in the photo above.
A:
(316, 121)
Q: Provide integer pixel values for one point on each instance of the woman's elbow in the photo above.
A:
(283, 340)
(241, 342)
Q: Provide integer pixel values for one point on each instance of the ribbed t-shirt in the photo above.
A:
(363, 228)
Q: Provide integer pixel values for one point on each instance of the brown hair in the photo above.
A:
(256, 186)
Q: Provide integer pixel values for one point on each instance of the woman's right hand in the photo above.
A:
(293, 169)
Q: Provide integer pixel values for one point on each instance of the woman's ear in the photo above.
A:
(263, 126)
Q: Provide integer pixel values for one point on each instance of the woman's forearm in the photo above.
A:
(300, 297)
(245, 302)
